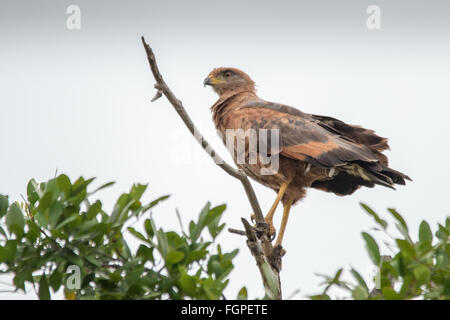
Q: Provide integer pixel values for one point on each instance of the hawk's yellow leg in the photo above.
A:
(284, 220)
(270, 214)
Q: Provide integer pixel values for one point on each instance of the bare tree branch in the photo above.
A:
(268, 259)
(238, 232)
(162, 88)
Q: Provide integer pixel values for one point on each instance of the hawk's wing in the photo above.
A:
(323, 142)
(304, 138)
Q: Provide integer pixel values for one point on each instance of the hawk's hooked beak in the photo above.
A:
(208, 81)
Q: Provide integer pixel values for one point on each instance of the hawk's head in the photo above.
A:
(226, 80)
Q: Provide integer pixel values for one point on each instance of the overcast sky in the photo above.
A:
(78, 101)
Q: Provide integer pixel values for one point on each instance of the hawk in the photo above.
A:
(313, 151)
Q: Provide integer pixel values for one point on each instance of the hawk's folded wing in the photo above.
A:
(303, 138)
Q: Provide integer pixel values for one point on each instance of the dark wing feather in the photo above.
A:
(357, 134)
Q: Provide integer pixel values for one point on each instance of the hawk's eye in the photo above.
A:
(227, 74)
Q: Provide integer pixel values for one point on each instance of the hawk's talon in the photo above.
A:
(273, 236)
(272, 230)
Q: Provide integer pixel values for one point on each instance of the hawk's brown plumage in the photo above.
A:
(314, 151)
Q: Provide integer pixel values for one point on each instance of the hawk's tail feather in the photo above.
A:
(386, 176)
(380, 179)
(378, 174)
(396, 176)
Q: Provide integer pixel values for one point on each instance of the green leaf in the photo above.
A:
(41, 217)
(174, 240)
(192, 228)
(390, 294)
(406, 248)
(20, 278)
(33, 231)
(163, 245)
(372, 248)
(401, 226)
(67, 221)
(372, 213)
(210, 289)
(4, 204)
(137, 190)
(45, 201)
(407, 280)
(93, 259)
(33, 191)
(196, 255)
(145, 252)
(63, 183)
(442, 233)
(94, 209)
(187, 284)
(360, 279)
(15, 220)
(242, 294)
(55, 213)
(51, 186)
(154, 203)
(121, 207)
(44, 292)
(360, 293)
(80, 186)
(106, 185)
(214, 267)
(55, 280)
(398, 217)
(197, 230)
(137, 234)
(213, 219)
(422, 274)
(425, 233)
(215, 213)
(337, 276)
(8, 252)
(204, 214)
(149, 228)
(73, 258)
(174, 257)
(424, 248)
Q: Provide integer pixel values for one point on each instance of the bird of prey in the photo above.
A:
(314, 151)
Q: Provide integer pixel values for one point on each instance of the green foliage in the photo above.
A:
(61, 226)
(418, 270)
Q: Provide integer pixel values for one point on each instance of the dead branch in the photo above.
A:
(268, 259)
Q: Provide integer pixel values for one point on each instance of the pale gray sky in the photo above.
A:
(79, 101)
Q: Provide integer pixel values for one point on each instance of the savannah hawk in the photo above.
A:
(314, 151)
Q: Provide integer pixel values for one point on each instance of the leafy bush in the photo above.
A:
(419, 269)
(59, 229)
(60, 238)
